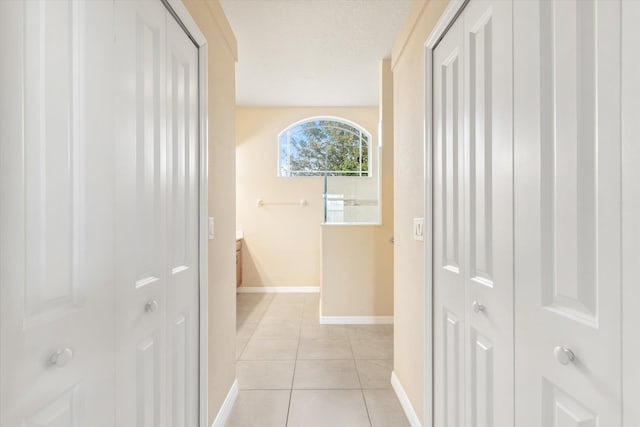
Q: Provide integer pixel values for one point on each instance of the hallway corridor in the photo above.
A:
(294, 372)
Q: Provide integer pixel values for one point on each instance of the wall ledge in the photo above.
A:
(224, 27)
(407, 31)
(278, 289)
(356, 320)
(227, 406)
(404, 401)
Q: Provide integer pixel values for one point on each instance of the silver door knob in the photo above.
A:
(61, 358)
(477, 307)
(564, 355)
(151, 306)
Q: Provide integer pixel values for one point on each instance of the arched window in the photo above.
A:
(324, 146)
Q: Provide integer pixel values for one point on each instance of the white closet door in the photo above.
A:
(488, 212)
(182, 236)
(157, 202)
(567, 213)
(448, 228)
(141, 180)
(473, 223)
(56, 215)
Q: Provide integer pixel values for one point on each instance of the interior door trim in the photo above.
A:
(177, 9)
(450, 14)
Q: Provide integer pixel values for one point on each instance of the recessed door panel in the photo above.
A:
(147, 382)
(482, 372)
(451, 122)
(180, 368)
(480, 151)
(561, 410)
(61, 412)
(51, 156)
(453, 375)
(568, 154)
(149, 150)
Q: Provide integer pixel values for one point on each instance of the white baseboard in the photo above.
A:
(356, 320)
(227, 405)
(278, 289)
(404, 401)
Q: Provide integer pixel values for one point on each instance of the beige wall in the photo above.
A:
(222, 55)
(357, 261)
(281, 243)
(408, 76)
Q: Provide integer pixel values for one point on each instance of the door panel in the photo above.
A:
(567, 212)
(182, 231)
(148, 391)
(559, 409)
(630, 212)
(481, 385)
(61, 412)
(141, 205)
(488, 237)
(480, 58)
(51, 160)
(449, 313)
(56, 216)
(569, 257)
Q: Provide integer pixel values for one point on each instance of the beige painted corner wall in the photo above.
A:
(408, 75)
(281, 243)
(222, 54)
(357, 260)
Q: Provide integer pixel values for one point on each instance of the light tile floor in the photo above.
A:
(294, 372)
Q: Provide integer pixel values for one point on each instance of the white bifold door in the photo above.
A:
(98, 216)
(157, 230)
(568, 213)
(528, 238)
(473, 221)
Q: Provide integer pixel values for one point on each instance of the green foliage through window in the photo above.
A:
(320, 147)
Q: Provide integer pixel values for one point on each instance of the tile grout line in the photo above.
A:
(239, 358)
(355, 364)
(295, 365)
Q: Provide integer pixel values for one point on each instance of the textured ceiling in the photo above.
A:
(312, 52)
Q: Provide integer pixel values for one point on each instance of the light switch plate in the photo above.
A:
(211, 228)
(418, 229)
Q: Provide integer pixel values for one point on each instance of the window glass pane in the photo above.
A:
(283, 157)
(324, 147)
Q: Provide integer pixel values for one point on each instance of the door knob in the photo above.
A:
(477, 307)
(564, 355)
(61, 358)
(151, 306)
